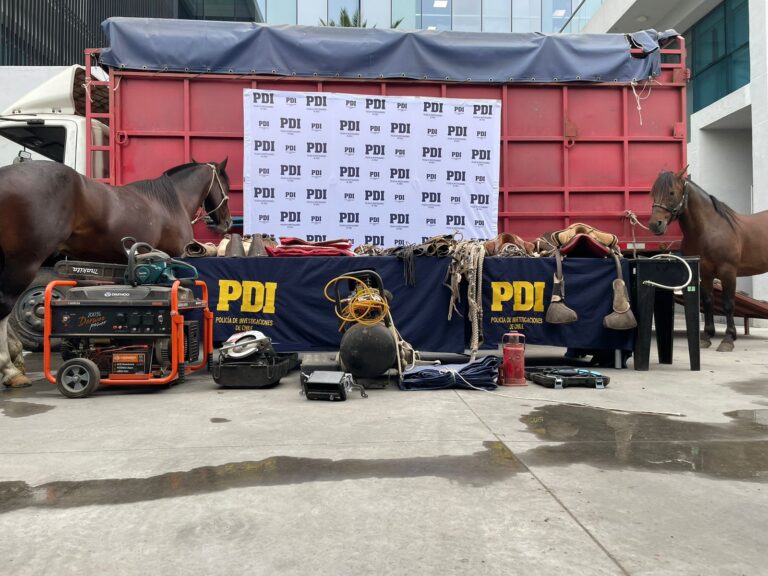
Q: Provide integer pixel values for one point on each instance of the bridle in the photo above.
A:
(675, 212)
(201, 212)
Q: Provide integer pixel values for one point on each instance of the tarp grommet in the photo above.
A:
(578, 77)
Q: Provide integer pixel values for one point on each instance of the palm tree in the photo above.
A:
(354, 22)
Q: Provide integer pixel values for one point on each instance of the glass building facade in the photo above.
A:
(462, 15)
(718, 53)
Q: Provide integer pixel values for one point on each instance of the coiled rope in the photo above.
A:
(467, 264)
(364, 305)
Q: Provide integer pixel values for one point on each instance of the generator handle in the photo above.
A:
(47, 328)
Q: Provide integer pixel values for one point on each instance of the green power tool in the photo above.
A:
(146, 265)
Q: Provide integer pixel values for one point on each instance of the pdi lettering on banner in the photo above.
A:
(253, 296)
(523, 296)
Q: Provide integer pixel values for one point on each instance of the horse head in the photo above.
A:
(216, 202)
(669, 194)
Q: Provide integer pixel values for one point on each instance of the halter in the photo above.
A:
(201, 213)
(675, 212)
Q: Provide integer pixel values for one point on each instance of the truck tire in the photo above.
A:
(27, 315)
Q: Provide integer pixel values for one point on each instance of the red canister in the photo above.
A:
(513, 359)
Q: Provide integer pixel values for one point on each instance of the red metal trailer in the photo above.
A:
(570, 152)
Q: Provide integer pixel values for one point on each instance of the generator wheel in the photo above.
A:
(78, 378)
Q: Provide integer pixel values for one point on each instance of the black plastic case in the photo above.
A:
(261, 372)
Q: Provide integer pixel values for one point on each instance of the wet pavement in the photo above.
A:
(663, 472)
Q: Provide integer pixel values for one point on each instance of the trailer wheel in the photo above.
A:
(78, 378)
(27, 315)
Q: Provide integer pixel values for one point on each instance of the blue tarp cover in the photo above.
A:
(372, 53)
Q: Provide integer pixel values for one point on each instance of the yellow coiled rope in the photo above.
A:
(364, 305)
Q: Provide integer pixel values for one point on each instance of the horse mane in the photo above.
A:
(160, 190)
(725, 211)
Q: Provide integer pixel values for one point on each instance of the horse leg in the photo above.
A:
(13, 280)
(709, 311)
(729, 301)
(16, 350)
(10, 375)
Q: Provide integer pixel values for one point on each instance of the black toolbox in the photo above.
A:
(254, 372)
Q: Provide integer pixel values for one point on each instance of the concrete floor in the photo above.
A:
(199, 480)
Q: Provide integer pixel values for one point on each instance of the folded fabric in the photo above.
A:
(296, 251)
(341, 243)
(482, 373)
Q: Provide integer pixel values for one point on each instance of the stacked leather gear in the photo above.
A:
(231, 245)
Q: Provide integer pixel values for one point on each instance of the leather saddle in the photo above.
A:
(580, 241)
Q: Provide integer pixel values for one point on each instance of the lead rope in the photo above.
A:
(201, 213)
(467, 264)
(632, 217)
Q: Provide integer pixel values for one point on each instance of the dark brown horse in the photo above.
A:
(729, 244)
(47, 208)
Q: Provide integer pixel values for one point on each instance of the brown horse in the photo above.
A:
(47, 208)
(729, 244)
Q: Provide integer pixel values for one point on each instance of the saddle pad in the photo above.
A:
(565, 236)
(585, 246)
(560, 377)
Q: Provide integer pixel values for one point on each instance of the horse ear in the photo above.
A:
(682, 172)
(223, 164)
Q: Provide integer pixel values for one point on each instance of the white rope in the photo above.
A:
(467, 263)
(645, 92)
(633, 220)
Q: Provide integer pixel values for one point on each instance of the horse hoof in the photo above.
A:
(18, 381)
(725, 346)
(705, 343)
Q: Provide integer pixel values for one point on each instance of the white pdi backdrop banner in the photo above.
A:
(381, 170)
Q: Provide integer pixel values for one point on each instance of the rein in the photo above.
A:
(201, 213)
(675, 212)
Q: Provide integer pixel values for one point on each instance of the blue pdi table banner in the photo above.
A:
(517, 291)
(283, 298)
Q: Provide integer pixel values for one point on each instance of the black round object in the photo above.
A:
(27, 315)
(368, 351)
(78, 378)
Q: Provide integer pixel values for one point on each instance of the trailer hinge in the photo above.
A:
(679, 131)
(570, 132)
(680, 75)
